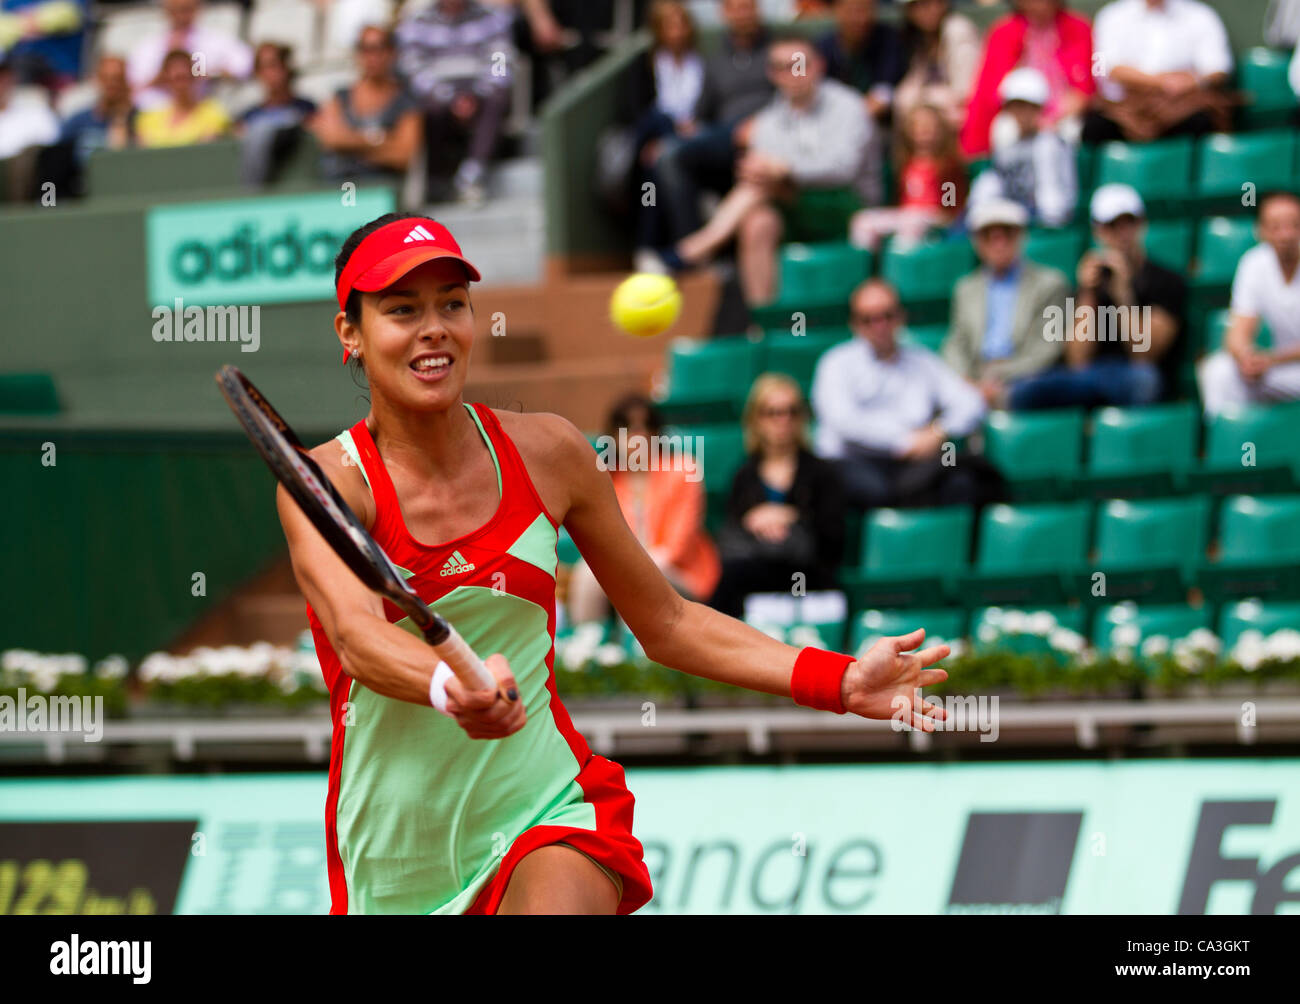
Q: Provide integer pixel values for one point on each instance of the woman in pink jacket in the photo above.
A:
(1044, 35)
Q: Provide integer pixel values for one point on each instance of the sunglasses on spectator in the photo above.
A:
(789, 411)
(876, 318)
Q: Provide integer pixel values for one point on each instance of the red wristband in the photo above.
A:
(817, 679)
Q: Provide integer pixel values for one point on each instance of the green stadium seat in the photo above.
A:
(941, 625)
(1220, 243)
(1259, 548)
(1148, 549)
(815, 283)
(925, 274)
(566, 551)
(1023, 630)
(1128, 625)
(1226, 162)
(720, 451)
(909, 556)
(797, 356)
(1263, 616)
(1262, 75)
(1039, 452)
(1216, 329)
(1027, 554)
(1058, 249)
(1251, 449)
(709, 379)
(1161, 171)
(1146, 450)
(28, 394)
(928, 336)
(1169, 243)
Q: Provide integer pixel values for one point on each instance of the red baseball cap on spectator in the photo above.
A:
(393, 250)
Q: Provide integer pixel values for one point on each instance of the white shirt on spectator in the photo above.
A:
(830, 143)
(1179, 35)
(859, 398)
(223, 55)
(1260, 290)
(24, 124)
(678, 85)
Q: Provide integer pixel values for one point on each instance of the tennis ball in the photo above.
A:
(645, 305)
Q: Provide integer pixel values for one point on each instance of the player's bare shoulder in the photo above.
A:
(346, 475)
(555, 451)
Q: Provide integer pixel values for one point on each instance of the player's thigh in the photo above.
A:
(558, 879)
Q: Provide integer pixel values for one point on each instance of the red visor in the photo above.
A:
(393, 250)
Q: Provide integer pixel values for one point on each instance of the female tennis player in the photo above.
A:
(496, 805)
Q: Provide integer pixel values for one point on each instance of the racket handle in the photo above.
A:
(467, 666)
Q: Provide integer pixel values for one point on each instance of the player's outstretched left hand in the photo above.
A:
(883, 683)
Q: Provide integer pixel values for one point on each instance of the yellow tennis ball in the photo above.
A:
(645, 305)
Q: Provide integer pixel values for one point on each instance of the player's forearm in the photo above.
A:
(384, 658)
(706, 643)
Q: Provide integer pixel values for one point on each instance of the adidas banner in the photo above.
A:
(273, 249)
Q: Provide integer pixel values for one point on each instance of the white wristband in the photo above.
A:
(438, 688)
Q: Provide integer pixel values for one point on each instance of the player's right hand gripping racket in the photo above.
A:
(320, 501)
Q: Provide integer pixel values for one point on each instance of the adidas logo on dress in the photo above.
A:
(418, 234)
(456, 564)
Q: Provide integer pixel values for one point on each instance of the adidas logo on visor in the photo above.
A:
(418, 234)
(456, 564)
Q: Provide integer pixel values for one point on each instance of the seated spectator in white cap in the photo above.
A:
(1032, 165)
(998, 319)
(1265, 290)
(215, 53)
(886, 411)
(1165, 64)
(1126, 318)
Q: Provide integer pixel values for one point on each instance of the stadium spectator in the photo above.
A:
(1165, 63)
(996, 330)
(1032, 165)
(457, 57)
(186, 118)
(943, 53)
(735, 87)
(374, 126)
(659, 99)
(1124, 342)
(108, 124)
(785, 512)
(44, 39)
(815, 139)
(25, 127)
(346, 19)
(931, 184)
(270, 129)
(216, 54)
(663, 504)
(864, 54)
(1265, 291)
(885, 412)
(559, 38)
(1042, 35)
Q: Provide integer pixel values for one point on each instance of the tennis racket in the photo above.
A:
(320, 501)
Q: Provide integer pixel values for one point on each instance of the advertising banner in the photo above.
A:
(271, 249)
(1158, 837)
